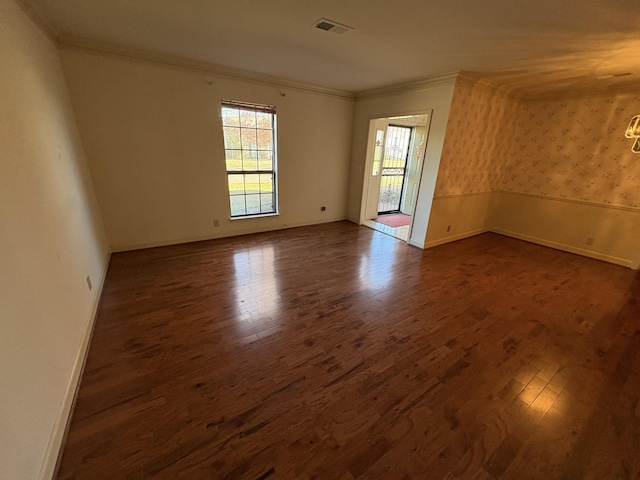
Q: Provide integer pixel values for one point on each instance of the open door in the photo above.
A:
(409, 171)
(377, 138)
(414, 169)
(394, 168)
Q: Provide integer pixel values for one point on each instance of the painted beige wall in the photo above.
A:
(51, 240)
(153, 139)
(435, 100)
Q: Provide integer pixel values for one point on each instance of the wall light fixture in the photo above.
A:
(633, 131)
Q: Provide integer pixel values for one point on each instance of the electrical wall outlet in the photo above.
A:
(590, 240)
(323, 209)
(216, 222)
(448, 228)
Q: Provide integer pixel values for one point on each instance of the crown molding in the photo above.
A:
(413, 86)
(477, 80)
(38, 17)
(71, 42)
(578, 93)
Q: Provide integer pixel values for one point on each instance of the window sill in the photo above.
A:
(259, 215)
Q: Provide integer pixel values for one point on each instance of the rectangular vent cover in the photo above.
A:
(331, 26)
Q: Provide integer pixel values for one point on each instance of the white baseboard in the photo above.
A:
(539, 241)
(453, 238)
(226, 234)
(415, 243)
(567, 248)
(60, 429)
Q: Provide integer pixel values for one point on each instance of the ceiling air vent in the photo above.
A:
(331, 26)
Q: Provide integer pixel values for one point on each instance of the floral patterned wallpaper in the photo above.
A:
(476, 143)
(576, 149)
(572, 148)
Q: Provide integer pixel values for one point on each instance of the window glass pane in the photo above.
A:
(253, 204)
(237, 206)
(266, 203)
(234, 159)
(249, 141)
(232, 137)
(265, 138)
(230, 117)
(248, 118)
(263, 120)
(252, 183)
(265, 161)
(266, 183)
(236, 185)
(250, 160)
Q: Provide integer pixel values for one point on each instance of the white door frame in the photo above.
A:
(369, 163)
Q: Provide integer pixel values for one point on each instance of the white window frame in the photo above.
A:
(246, 152)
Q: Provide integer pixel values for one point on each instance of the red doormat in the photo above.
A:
(395, 220)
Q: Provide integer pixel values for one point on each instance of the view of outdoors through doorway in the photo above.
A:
(396, 151)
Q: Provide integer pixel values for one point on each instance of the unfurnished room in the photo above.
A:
(319, 240)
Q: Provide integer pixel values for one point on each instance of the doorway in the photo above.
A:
(395, 156)
(394, 163)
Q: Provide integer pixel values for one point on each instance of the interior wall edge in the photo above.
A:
(455, 217)
(455, 238)
(39, 19)
(58, 437)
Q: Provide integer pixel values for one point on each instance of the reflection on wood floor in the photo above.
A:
(401, 233)
(337, 352)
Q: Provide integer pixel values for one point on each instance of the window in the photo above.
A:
(250, 155)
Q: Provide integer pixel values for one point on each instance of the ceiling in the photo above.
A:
(525, 46)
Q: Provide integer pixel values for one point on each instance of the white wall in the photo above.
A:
(153, 138)
(51, 239)
(424, 100)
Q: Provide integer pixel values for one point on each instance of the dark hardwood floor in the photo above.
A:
(337, 352)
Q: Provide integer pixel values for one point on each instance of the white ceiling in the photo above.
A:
(527, 45)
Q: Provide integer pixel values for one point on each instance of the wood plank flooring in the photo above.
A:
(338, 352)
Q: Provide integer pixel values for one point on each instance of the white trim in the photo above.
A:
(406, 87)
(570, 200)
(415, 243)
(69, 42)
(470, 194)
(541, 197)
(567, 248)
(234, 233)
(58, 437)
(454, 238)
(257, 215)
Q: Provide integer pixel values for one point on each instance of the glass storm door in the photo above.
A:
(394, 164)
